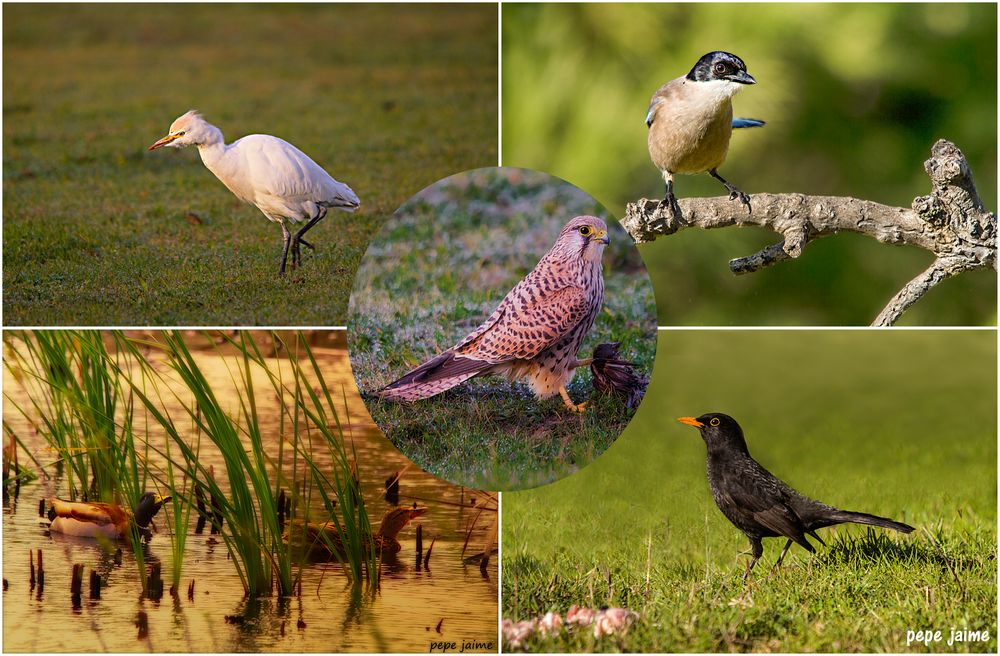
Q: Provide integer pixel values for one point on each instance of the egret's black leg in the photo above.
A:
(734, 192)
(297, 239)
(284, 252)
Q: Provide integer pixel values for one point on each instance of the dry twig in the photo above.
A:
(950, 222)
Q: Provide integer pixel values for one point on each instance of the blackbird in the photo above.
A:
(757, 502)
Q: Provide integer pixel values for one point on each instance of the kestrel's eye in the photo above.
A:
(586, 231)
(714, 421)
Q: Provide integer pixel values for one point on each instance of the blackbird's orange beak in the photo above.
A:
(690, 421)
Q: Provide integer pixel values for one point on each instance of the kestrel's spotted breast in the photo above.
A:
(536, 330)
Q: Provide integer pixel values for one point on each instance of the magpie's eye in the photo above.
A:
(720, 68)
(586, 231)
(714, 421)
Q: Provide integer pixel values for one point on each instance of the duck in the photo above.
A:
(104, 520)
(322, 539)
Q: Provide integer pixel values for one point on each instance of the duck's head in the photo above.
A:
(396, 519)
(149, 504)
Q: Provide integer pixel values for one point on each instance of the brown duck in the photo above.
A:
(323, 540)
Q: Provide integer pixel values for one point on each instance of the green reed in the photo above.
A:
(338, 490)
(77, 398)
(252, 530)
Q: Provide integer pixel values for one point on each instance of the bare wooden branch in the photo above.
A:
(950, 222)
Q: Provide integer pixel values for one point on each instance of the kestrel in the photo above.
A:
(535, 332)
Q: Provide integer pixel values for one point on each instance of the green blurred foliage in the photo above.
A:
(387, 98)
(854, 95)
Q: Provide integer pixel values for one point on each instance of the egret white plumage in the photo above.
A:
(268, 172)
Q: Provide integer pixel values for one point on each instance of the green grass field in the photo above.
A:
(434, 274)
(387, 98)
(900, 424)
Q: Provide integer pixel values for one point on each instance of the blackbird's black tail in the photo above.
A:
(874, 520)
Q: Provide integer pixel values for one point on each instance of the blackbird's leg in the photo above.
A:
(777, 563)
(757, 548)
(818, 538)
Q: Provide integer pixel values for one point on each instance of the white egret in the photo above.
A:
(268, 172)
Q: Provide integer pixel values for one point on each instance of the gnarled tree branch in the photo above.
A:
(950, 222)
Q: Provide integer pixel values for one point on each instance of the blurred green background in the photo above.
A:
(387, 98)
(854, 95)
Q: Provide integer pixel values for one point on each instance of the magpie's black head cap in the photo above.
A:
(719, 65)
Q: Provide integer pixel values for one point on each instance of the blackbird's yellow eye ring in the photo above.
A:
(586, 230)
(714, 421)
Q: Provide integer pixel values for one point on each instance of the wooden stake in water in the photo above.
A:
(95, 585)
(420, 545)
(76, 585)
(41, 572)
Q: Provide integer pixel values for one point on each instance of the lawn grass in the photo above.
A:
(97, 231)
(434, 274)
(900, 424)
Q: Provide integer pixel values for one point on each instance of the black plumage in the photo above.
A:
(760, 504)
(616, 377)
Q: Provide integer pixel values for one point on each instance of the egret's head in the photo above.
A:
(190, 129)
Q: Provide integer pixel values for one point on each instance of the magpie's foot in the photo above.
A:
(736, 194)
(670, 200)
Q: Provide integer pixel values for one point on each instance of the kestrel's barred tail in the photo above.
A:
(433, 377)
(535, 332)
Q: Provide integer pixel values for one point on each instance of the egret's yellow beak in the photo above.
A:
(164, 141)
(602, 237)
(690, 421)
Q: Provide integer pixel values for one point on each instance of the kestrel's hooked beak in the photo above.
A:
(602, 237)
(690, 421)
(164, 141)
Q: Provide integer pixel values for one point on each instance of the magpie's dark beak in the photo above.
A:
(742, 77)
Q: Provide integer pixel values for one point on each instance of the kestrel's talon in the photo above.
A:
(568, 402)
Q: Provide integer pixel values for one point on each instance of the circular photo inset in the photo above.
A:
(502, 328)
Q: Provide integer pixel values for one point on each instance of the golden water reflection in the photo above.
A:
(450, 601)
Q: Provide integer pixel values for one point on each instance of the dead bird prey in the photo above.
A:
(615, 377)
